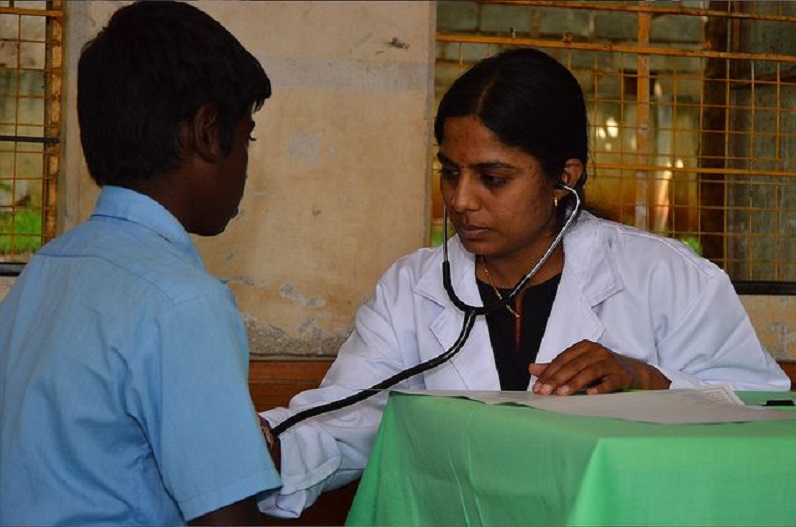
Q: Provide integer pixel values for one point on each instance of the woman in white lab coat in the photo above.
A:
(612, 308)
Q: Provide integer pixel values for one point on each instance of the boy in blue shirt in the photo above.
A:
(123, 363)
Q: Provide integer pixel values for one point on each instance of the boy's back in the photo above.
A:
(118, 334)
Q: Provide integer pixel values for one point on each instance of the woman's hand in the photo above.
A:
(593, 367)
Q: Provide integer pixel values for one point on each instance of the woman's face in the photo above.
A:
(499, 200)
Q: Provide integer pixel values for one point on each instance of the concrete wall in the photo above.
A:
(774, 319)
(5, 285)
(338, 176)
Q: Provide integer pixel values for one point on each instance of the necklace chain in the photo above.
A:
(494, 288)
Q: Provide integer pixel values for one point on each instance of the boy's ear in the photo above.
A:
(200, 135)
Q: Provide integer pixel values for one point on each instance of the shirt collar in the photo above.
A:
(128, 205)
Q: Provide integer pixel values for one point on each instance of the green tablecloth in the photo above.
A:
(446, 461)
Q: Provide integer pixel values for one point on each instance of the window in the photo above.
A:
(692, 113)
(30, 93)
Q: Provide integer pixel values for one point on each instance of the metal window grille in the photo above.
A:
(692, 113)
(31, 39)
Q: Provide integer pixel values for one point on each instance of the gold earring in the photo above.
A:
(555, 201)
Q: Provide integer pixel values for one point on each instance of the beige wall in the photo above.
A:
(338, 184)
(5, 285)
(774, 319)
(338, 176)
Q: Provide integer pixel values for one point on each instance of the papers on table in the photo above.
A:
(707, 404)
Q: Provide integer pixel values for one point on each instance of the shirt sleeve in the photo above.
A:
(189, 384)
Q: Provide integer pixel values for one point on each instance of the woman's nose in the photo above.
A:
(464, 196)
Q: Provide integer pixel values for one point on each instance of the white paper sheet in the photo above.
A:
(708, 404)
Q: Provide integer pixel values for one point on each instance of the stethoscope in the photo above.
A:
(470, 314)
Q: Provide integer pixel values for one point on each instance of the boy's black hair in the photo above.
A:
(146, 73)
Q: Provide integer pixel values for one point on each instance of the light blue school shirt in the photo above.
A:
(123, 379)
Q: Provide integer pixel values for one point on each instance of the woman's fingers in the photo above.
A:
(584, 366)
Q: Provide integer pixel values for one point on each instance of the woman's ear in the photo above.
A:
(573, 171)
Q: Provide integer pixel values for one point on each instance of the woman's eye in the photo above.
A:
(493, 181)
(448, 173)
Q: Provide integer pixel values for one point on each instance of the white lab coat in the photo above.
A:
(637, 294)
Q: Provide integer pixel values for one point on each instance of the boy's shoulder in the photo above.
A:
(139, 260)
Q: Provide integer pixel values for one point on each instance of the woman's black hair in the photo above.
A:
(529, 101)
(145, 74)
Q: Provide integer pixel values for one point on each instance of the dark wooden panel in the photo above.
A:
(330, 509)
(790, 368)
(273, 382)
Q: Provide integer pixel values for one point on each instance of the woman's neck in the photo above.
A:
(506, 272)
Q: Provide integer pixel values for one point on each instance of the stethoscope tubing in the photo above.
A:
(470, 314)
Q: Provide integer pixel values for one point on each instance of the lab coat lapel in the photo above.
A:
(571, 320)
(474, 366)
(589, 278)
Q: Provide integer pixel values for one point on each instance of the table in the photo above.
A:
(449, 461)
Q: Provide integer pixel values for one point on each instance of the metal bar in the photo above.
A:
(733, 45)
(698, 170)
(610, 47)
(778, 106)
(673, 150)
(647, 8)
(29, 139)
(31, 12)
(21, 40)
(52, 120)
(644, 215)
